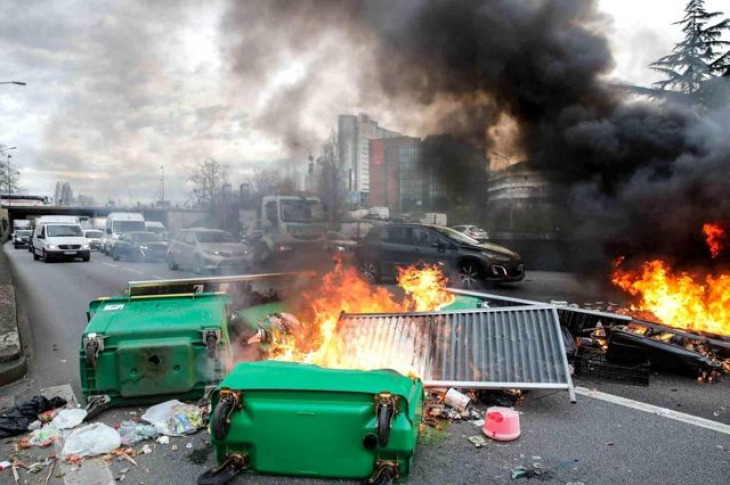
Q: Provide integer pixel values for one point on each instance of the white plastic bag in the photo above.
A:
(173, 418)
(159, 416)
(69, 418)
(91, 440)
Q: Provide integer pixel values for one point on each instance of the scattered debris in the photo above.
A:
(15, 421)
(173, 418)
(133, 432)
(530, 472)
(189, 446)
(457, 400)
(163, 440)
(502, 424)
(91, 440)
(478, 441)
(69, 418)
(174, 447)
(146, 449)
(44, 436)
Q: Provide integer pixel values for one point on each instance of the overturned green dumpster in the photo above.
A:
(142, 350)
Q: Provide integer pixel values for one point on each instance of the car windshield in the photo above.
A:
(145, 236)
(214, 237)
(94, 234)
(129, 226)
(156, 230)
(23, 233)
(455, 235)
(64, 231)
(301, 210)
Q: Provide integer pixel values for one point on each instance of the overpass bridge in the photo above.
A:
(172, 218)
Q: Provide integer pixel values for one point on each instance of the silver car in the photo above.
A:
(207, 249)
(474, 232)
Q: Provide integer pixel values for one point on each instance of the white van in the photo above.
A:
(118, 223)
(59, 240)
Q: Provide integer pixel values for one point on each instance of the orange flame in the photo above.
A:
(714, 236)
(344, 290)
(678, 299)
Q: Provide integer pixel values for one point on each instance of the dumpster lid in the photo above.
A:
(283, 376)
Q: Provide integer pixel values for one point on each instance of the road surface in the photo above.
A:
(596, 441)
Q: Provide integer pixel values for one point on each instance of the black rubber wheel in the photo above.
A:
(45, 257)
(219, 422)
(370, 270)
(384, 415)
(171, 264)
(35, 256)
(86, 259)
(115, 256)
(197, 265)
(471, 275)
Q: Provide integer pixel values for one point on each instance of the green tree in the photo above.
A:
(697, 59)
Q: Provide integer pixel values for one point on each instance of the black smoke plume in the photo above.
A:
(642, 176)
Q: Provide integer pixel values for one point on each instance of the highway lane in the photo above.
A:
(54, 297)
(594, 441)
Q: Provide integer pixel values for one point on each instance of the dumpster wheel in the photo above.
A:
(220, 422)
(385, 413)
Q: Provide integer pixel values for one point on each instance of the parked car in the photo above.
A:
(59, 240)
(466, 260)
(207, 249)
(474, 232)
(94, 237)
(156, 227)
(21, 238)
(139, 246)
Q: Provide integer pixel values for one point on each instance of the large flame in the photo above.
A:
(698, 301)
(344, 290)
(714, 236)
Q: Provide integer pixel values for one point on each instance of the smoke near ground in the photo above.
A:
(642, 176)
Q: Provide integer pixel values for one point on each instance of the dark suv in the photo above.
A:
(466, 259)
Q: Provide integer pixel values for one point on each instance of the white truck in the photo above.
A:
(118, 223)
(283, 225)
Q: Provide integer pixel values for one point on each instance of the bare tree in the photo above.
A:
(208, 179)
(9, 174)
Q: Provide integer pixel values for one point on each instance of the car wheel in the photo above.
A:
(35, 255)
(370, 270)
(471, 275)
(86, 259)
(15, 246)
(45, 257)
(171, 264)
(115, 256)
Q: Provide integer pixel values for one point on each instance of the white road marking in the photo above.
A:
(657, 410)
(110, 264)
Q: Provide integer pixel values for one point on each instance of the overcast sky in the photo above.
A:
(118, 89)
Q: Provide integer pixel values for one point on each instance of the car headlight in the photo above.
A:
(283, 248)
(212, 252)
(497, 257)
(84, 246)
(51, 246)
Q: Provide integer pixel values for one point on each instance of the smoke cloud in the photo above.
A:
(642, 176)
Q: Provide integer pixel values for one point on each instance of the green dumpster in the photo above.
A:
(144, 350)
(297, 419)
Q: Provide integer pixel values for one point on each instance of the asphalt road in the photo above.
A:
(591, 442)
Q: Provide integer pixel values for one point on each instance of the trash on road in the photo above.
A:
(91, 440)
(163, 440)
(502, 424)
(69, 418)
(16, 420)
(478, 441)
(256, 401)
(132, 432)
(174, 418)
(44, 436)
(457, 400)
(528, 472)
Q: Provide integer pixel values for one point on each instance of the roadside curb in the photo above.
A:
(13, 364)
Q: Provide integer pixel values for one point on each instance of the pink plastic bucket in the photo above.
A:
(502, 424)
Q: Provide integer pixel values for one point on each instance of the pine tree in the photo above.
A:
(695, 60)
